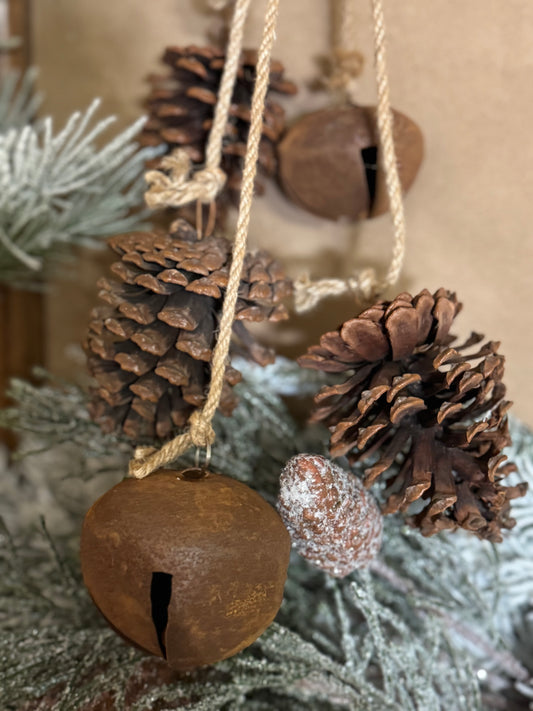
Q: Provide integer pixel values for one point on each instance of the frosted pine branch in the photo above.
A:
(19, 99)
(431, 624)
(54, 643)
(58, 190)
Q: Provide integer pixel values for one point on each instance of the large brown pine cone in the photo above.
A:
(434, 415)
(181, 108)
(149, 347)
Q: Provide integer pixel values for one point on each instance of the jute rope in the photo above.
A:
(308, 294)
(176, 183)
(201, 433)
(388, 152)
(365, 285)
(347, 63)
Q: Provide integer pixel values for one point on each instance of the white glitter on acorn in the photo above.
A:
(332, 520)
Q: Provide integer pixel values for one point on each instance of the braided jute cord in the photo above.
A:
(347, 63)
(176, 183)
(388, 152)
(308, 293)
(201, 433)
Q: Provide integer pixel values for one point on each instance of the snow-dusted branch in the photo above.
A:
(61, 189)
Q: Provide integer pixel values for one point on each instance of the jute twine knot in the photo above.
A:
(346, 67)
(180, 187)
(175, 183)
(202, 432)
(148, 459)
(307, 293)
(143, 452)
(364, 285)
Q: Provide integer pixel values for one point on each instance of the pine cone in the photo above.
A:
(150, 347)
(413, 399)
(181, 108)
(332, 520)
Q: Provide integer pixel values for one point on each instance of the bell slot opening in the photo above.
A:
(370, 161)
(160, 594)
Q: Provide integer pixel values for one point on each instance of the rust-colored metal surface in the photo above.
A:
(189, 566)
(329, 161)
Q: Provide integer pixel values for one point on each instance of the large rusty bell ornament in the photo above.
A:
(329, 161)
(189, 566)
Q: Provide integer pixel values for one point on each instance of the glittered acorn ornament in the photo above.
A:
(189, 566)
(333, 521)
(329, 161)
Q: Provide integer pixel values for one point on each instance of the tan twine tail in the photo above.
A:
(176, 183)
(201, 433)
(346, 62)
(365, 285)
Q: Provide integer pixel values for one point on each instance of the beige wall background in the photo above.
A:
(462, 70)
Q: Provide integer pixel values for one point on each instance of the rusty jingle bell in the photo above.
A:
(189, 565)
(329, 162)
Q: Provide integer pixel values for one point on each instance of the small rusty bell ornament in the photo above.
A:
(189, 566)
(329, 162)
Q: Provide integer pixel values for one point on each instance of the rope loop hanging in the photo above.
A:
(200, 432)
(388, 152)
(308, 294)
(176, 183)
(365, 285)
(346, 61)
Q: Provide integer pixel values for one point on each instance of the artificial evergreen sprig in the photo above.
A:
(56, 647)
(61, 189)
(417, 632)
(19, 99)
(54, 413)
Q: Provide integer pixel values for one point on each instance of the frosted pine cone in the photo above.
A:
(332, 520)
(436, 412)
(149, 348)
